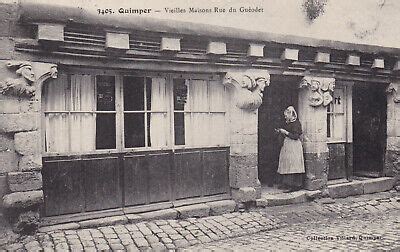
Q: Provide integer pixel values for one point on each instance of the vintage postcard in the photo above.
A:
(199, 125)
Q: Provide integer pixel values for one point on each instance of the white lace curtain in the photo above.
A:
(70, 131)
(158, 119)
(205, 125)
(71, 119)
(217, 116)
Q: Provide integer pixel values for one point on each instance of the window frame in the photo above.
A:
(120, 112)
(334, 113)
(115, 112)
(208, 78)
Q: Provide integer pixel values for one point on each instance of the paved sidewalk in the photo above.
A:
(172, 234)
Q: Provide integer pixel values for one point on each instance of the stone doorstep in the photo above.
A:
(284, 198)
(280, 199)
(365, 186)
(378, 185)
(340, 190)
(183, 212)
(346, 189)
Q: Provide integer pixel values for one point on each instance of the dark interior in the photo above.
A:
(369, 128)
(282, 92)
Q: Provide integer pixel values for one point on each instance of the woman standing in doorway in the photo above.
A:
(291, 160)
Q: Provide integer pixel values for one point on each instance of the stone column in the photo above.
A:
(245, 98)
(392, 159)
(314, 96)
(20, 138)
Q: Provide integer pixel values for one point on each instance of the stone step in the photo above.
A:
(340, 190)
(285, 198)
(346, 189)
(367, 186)
(378, 185)
(182, 212)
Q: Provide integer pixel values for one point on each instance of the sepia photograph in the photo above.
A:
(183, 125)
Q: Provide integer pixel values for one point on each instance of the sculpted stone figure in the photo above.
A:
(393, 89)
(248, 86)
(21, 86)
(321, 90)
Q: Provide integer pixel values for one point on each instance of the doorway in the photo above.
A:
(369, 129)
(282, 92)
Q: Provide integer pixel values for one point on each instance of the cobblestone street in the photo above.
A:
(374, 216)
(372, 233)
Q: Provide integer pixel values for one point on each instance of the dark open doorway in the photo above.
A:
(282, 92)
(369, 128)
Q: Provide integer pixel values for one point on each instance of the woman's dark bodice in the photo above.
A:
(294, 129)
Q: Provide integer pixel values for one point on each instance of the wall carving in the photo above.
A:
(248, 87)
(22, 85)
(321, 90)
(25, 84)
(392, 89)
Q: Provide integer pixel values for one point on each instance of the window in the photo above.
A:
(336, 119)
(199, 112)
(105, 112)
(70, 118)
(113, 112)
(145, 112)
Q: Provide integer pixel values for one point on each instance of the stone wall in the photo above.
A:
(314, 118)
(243, 172)
(392, 158)
(245, 97)
(16, 114)
(20, 141)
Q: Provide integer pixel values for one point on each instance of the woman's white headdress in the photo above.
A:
(293, 114)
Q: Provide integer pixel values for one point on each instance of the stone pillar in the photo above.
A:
(20, 136)
(314, 96)
(392, 159)
(245, 98)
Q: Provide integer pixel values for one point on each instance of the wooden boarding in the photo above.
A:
(215, 173)
(101, 185)
(63, 187)
(337, 161)
(82, 184)
(188, 174)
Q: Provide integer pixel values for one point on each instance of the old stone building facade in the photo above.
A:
(102, 116)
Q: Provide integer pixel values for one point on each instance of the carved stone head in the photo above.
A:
(249, 86)
(53, 72)
(263, 82)
(256, 79)
(25, 70)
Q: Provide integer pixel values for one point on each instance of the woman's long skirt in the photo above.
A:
(291, 163)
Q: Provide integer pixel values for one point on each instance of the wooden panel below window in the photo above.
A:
(215, 175)
(337, 161)
(349, 160)
(63, 190)
(159, 178)
(188, 174)
(102, 183)
(135, 180)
